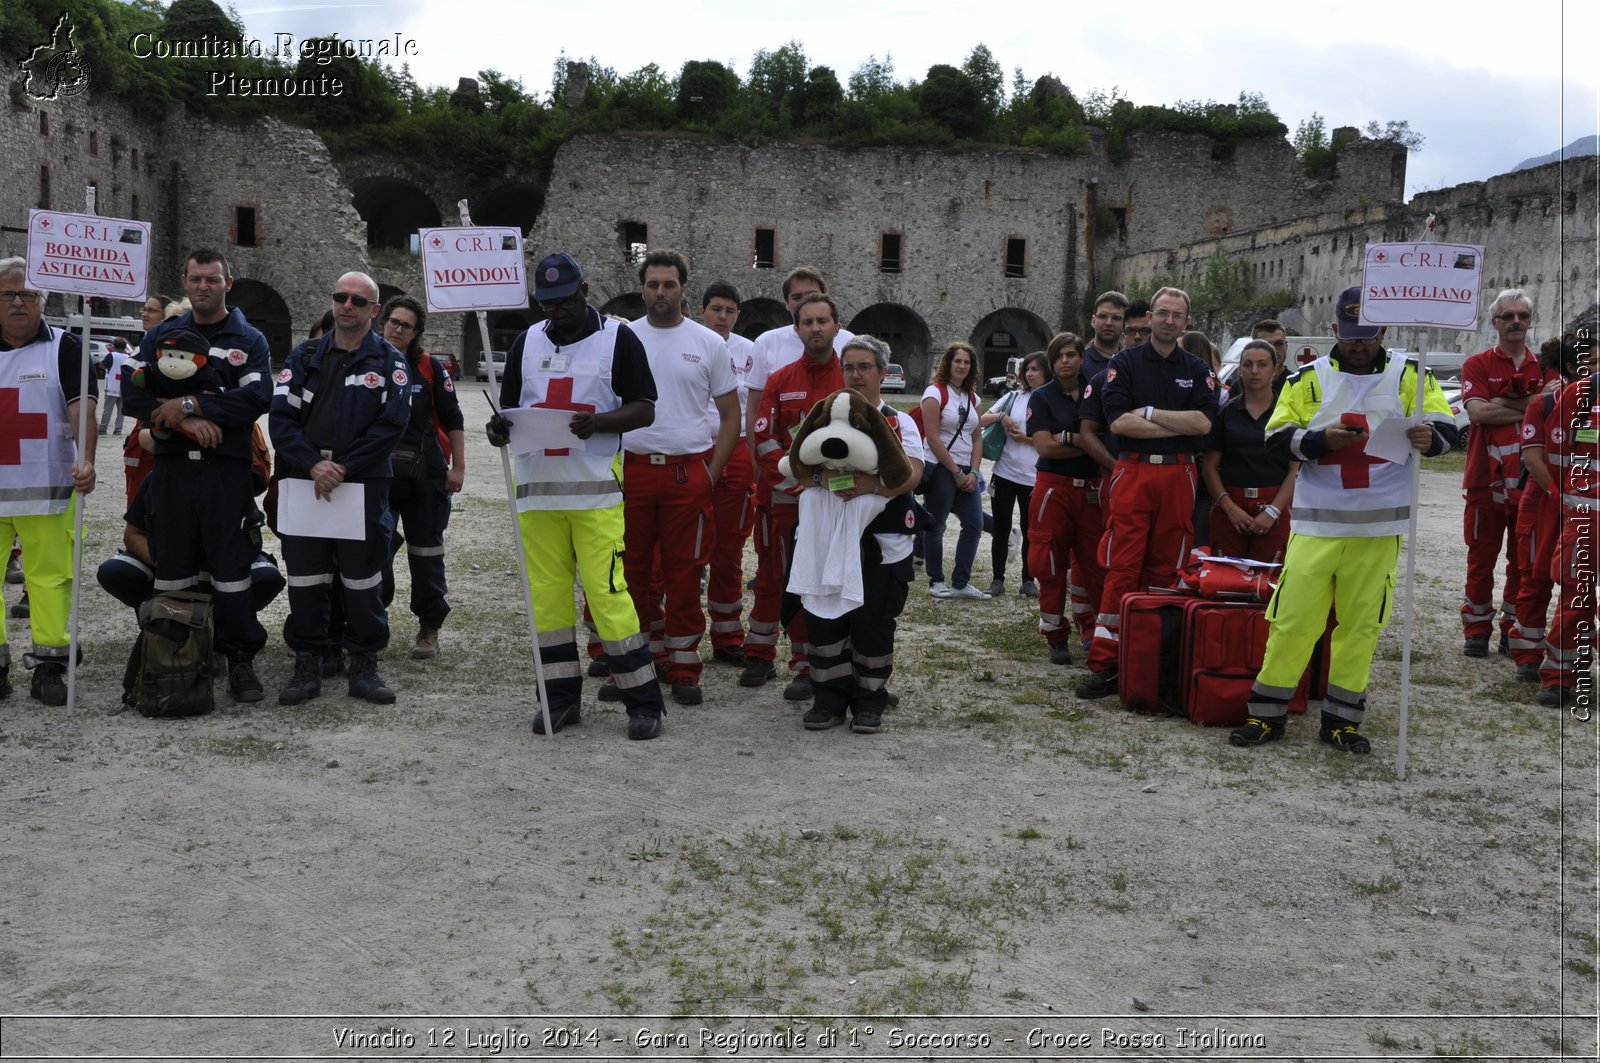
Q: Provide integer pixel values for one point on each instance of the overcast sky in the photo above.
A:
(1487, 91)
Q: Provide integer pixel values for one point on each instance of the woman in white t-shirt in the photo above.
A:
(950, 423)
(1011, 479)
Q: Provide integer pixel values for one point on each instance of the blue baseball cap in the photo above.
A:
(1348, 316)
(556, 277)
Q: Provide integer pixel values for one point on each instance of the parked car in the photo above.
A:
(499, 365)
(450, 363)
(894, 379)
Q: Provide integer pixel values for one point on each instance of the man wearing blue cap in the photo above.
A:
(1350, 510)
(569, 499)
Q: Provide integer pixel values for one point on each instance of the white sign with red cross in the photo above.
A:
(474, 268)
(88, 255)
(1422, 284)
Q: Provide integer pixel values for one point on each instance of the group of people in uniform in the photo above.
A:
(678, 430)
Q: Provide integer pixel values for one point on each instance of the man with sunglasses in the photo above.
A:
(569, 499)
(339, 407)
(201, 500)
(1496, 387)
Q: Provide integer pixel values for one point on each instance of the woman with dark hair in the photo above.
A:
(1253, 488)
(950, 423)
(1011, 479)
(1066, 515)
(1539, 509)
(323, 325)
(429, 464)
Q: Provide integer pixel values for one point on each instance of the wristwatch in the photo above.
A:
(186, 404)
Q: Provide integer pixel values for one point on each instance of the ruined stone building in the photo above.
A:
(1002, 248)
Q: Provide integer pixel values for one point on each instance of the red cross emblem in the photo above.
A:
(1355, 467)
(44, 223)
(559, 397)
(437, 242)
(1381, 257)
(19, 426)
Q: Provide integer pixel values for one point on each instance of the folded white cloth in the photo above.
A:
(826, 568)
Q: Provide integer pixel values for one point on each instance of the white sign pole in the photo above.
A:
(81, 501)
(1426, 284)
(511, 502)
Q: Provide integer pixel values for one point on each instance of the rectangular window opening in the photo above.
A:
(635, 242)
(766, 248)
(889, 258)
(1016, 257)
(44, 188)
(244, 227)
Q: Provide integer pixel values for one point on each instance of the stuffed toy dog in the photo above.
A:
(845, 432)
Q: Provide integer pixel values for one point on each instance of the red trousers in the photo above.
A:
(1063, 523)
(668, 509)
(774, 532)
(1146, 539)
(1538, 528)
(1569, 650)
(733, 507)
(1488, 525)
(1226, 542)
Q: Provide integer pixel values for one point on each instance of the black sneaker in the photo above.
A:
(757, 673)
(1098, 685)
(305, 683)
(1555, 697)
(642, 728)
(50, 683)
(242, 681)
(559, 718)
(1505, 644)
(687, 693)
(20, 611)
(800, 688)
(866, 722)
(1475, 646)
(1527, 673)
(1345, 736)
(5, 681)
(599, 668)
(609, 691)
(733, 655)
(1255, 731)
(820, 719)
(1061, 653)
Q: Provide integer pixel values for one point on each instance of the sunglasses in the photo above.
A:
(360, 302)
(1519, 315)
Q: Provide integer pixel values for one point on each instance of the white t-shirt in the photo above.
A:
(950, 416)
(691, 366)
(742, 352)
(776, 348)
(893, 545)
(1018, 462)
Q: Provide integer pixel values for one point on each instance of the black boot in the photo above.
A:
(5, 681)
(50, 682)
(365, 683)
(242, 681)
(305, 683)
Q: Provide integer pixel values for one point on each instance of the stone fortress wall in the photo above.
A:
(1001, 248)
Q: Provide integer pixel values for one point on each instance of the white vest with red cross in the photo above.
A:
(1349, 493)
(36, 444)
(576, 377)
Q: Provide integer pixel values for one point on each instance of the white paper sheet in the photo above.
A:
(1389, 442)
(534, 431)
(341, 516)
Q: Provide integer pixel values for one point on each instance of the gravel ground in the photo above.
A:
(1000, 863)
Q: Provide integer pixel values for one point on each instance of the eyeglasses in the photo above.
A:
(1519, 315)
(1169, 315)
(19, 297)
(856, 370)
(1108, 317)
(399, 326)
(569, 303)
(360, 302)
(1136, 331)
